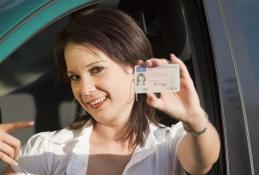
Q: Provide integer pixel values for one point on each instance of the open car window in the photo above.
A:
(28, 78)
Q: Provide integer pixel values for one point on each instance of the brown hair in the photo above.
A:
(119, 37)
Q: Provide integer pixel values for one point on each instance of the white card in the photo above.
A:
(157, 79)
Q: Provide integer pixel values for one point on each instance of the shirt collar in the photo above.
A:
(68, 135)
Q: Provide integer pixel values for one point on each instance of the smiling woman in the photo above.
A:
(118, 44)
(97, 52)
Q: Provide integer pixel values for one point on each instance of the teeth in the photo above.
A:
(97, 101)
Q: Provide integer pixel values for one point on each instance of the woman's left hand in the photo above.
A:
(183, 105)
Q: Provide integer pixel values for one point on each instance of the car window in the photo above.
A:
(249, 16)
(30, 61)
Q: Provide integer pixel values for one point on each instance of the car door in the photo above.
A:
(224, 36)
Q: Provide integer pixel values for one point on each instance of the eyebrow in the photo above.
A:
(89, 65)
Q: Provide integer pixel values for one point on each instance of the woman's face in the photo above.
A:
(104, 88)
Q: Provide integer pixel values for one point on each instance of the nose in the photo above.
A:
(87, 86)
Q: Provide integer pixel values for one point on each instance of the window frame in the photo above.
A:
(238, 94)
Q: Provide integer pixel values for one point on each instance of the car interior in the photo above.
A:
(46, 93)
(32, 90)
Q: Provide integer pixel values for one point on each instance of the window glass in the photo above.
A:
(248, 11)
(31, 60)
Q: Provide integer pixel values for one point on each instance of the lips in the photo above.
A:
(96, 103)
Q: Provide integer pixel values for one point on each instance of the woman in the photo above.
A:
(97, 51)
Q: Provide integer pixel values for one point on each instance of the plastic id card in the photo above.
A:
(157, 79)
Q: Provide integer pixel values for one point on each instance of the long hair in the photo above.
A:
(118, 36)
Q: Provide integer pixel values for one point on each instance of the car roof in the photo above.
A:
(12, 13)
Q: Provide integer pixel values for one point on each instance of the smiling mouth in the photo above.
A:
(97, 102)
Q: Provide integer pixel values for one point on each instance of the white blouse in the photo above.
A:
(66, 152)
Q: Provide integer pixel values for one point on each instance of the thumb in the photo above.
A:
(154, 101)
(8, 127)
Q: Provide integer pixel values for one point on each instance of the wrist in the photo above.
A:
(197, 124)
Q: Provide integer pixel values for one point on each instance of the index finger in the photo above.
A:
(8, 127)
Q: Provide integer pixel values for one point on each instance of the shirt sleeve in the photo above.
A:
(34, 156)
(177, 133)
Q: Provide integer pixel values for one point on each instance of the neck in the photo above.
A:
(114, 129)
(110, 132)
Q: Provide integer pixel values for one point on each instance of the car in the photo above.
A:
(217, 40)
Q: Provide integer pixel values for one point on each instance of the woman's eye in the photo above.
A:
(95, 70)
(73, 77)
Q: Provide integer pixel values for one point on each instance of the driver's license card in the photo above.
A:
(157, 79)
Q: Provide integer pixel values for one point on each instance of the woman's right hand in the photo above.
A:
(9, 145)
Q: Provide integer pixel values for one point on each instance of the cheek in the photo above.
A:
(105, 84)
(106, 80)
(115, 83)
(74, 91)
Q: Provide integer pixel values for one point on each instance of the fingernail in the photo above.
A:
(15, 163)
(31, 123)
(174, 56)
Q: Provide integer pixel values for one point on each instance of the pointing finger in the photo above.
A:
(8, 127)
